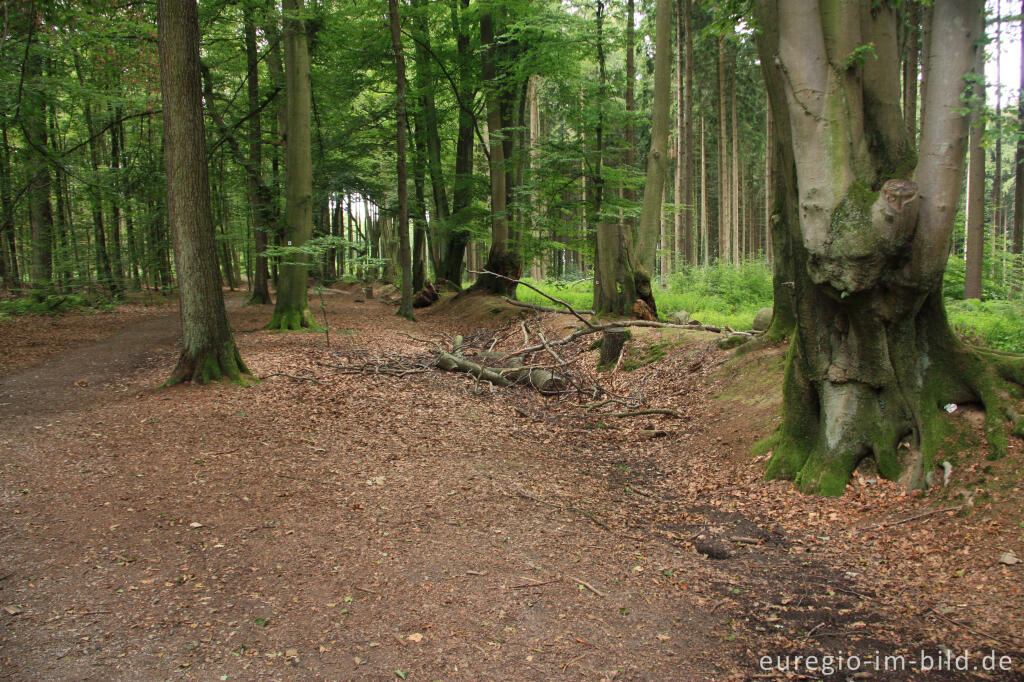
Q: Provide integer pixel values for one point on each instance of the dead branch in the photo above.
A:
(290, 376)
(638, 413)
(530, 286)
(587, 585)
(541, 308)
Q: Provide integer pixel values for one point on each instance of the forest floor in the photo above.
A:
(366, 526)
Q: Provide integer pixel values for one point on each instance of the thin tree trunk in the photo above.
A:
(724, 229)
(910, 69)
(704, 235)
(259, 193)
(734, 193)
(8, 249)
(39, 184)
(975, 246)
(686, 141)
(404, 251)
(1018, 185)
(681, 141)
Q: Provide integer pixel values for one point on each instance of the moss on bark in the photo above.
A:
(206, 365)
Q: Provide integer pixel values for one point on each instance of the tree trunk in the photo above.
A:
(503, 258)
(292, 308)
(686, 141)
(1018, 185)
(8, 251)
(910, 69)
(705, 237)
(208, 349)
(724, 249)
(259, 194)
(657, 159)
(40, 211)
(681, 141)
(404, 250)
(454, 246)
(872, 357)
(975, 246)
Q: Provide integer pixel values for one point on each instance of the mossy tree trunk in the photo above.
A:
(208, 348)
(259, 193)
(866, 229)
(291, 311)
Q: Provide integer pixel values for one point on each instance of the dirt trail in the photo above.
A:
(366, 528)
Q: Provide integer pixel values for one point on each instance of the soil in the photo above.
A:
(337, 522)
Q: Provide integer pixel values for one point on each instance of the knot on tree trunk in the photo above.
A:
(867, 234)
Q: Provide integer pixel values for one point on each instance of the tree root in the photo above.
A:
(211, 365)
(293, 319)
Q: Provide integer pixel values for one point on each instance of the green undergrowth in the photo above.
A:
(996, 324)
(718, 294)
(53, 304)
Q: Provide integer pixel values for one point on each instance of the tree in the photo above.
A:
(627, 257)
(405, 254)
(34, 128)
(291, 310)
(869, 222)
(259, 194)
(208, 348)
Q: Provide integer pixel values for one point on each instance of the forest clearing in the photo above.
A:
(368, 526)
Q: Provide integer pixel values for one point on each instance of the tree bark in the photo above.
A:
(292, 308)
(33, 117)
(208, 348)
(1018, 186)
(686, 141)
(657, 158)
(404, 250)
(259, 193)
(503, 258)
(454, 245)
(872, 357)
(975, 246)
(724, 229)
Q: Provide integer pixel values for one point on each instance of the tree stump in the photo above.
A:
(612, 342)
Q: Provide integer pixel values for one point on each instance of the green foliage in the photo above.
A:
(996, 324)
(51, 305)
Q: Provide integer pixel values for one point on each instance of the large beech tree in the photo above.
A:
(208, 349)
(865, 223)
(291, 310)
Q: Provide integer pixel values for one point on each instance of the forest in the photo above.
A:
(503, 338)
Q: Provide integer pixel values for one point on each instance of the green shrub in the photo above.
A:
(49, 305)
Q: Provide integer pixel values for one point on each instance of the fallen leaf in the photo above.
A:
(1009, 558)
(12, 610)
(415, 637)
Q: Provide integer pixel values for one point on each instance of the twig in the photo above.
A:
(813, 630)
(638, 413)
(535, 584)
(530, 286)
(290, 376)
(363, 589)
(526, 334)
(548, 348)
(978, 633)
(890, 524)
(587, 585)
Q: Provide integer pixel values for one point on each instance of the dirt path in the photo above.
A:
(366, 528)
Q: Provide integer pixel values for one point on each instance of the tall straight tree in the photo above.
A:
(33, 119)
(292, 308)
(1017, 245)
(259, 194)
(503, 258)
(657, 157)
(404, 251)
(208, 349)
(872, 358)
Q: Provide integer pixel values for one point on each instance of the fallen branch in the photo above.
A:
(932, 512)
(637, 413)
(290, 376)
(541, 308)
